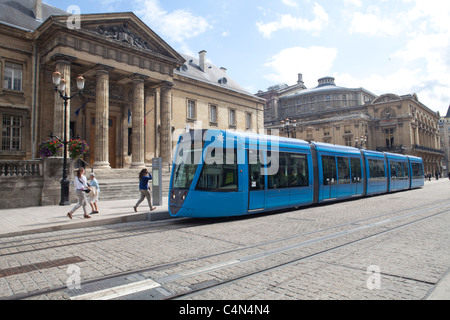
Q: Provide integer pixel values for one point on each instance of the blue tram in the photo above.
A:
(219, 173)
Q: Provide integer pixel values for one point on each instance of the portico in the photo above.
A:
(125, 111)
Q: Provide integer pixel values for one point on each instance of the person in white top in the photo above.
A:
(81, 188)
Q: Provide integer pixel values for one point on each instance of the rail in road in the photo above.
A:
(206, 276)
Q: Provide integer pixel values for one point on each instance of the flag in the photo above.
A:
(77, 112)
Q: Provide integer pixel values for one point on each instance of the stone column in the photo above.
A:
(101, 157)
(166, 123)
(137, 118)
(63, 67)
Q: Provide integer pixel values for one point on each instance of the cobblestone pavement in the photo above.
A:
(385, 247)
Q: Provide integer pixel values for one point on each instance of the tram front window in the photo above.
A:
(185, 167)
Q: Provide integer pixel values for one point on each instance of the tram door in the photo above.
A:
(329, 182)
(256, 182)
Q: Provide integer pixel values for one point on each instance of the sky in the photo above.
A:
(384, 46)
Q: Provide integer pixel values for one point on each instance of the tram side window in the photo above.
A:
(220, 177)
(417, 170)
(329, 170)
(256, 177)
(298, 170)
(292, 171)
(355, 165)
(343, 170)
(376, 170)
(393, 167)
(405, 171)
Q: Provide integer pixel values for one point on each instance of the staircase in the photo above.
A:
(119, 184)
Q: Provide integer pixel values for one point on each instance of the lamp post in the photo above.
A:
(60, 87)
(288, 126)
(362, 142)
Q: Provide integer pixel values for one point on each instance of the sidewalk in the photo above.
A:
(22, 221)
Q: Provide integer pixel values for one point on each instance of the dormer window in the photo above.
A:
(223, 81)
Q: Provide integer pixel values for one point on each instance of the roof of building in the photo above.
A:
(20, 13)
(326, 84)
(448, 112)
(212, 74)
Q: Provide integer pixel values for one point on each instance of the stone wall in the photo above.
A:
(33, 183)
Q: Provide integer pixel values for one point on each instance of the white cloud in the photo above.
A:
(290, 3)
(177, 25)
(372, 24)
(287, 21)
(420, 29)
(356, 3)
(313, 62)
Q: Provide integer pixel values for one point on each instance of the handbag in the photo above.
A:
(85, 190)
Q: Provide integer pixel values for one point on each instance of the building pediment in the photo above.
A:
(122, 30)
(386, 98)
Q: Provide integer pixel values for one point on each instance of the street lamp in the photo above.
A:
(287, 126)
(60, 87)
(362, 142)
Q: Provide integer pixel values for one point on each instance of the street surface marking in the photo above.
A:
(119, 291)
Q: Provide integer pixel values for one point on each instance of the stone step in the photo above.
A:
(123, 183)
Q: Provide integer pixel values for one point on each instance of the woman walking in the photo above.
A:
(81, 187)
(92, 196)
(144, 178)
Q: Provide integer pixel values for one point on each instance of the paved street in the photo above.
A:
(385, 247)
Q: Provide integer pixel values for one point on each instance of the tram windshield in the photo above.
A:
(186, 163)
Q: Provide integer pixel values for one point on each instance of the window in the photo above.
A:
(348, 141)
(186, 163)
(248, 120)
(343, 170)
(191, 112)
(355, 164)
(256, 178)
(219, 177)
(213, 113)
(329, 170)
(389, 136)
(11, 133)
(12, 79)
(232, 117)
(347, 130)
(417, 170)
(376, 170)
(292, 171)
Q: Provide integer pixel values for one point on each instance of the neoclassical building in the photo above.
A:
(139, 92)
(356, 117)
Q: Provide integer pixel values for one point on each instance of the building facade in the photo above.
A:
(444, 134)
(139, 92)
(357, 117)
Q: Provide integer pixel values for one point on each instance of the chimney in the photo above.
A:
(202, 59)
(300, 79)
(38, 9)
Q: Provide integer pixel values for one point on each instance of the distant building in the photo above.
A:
(444, 134)
(355, 117)
(139, 92)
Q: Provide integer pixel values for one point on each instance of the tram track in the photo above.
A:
(353, 227)
(230, 281)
